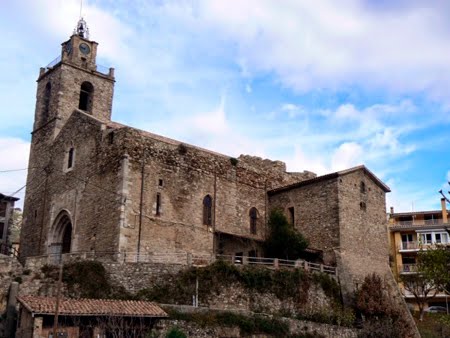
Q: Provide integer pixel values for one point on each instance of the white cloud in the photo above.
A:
(347, 155)
(329, 44)
(213, 122)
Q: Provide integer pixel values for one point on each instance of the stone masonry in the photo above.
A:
(95, 185)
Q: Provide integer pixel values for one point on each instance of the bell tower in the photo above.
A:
(72, 81)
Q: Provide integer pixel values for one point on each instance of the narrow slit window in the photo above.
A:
(291, 215)
(158, 204)
(70, 158)
(111, 138)
(207, 210)
(362, 206)
(362, 187)
(253, 220)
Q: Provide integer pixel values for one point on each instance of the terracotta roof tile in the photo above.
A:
(92, 307)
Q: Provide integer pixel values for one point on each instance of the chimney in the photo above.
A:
(392, 210)
(444, 211)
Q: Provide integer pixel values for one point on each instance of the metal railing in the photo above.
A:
(408, 268)
(8, 250)
(421, 222)
(53, 63)
(102, 69)
(183, 258)
(413, 245)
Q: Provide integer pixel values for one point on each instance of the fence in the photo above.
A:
(185, 258)
(8, 250)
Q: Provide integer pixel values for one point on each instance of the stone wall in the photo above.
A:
(296, 327)
(180, 176)
(89, 193)
(363, 229)
(316, 213)
(10, 270)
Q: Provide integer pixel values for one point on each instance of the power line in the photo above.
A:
(13, 170)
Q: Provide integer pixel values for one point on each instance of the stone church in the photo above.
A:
(95, 185)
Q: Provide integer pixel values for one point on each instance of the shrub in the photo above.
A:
(284, 241)
(383, 318)
(89, 279)
(182, 149)
(176, 333)
(179, 290)
(247, 324)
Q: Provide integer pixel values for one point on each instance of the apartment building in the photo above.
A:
(410, 232)
(6, 210)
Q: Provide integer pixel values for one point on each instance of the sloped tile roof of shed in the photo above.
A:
(92, 307)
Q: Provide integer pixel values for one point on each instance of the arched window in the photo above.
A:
(47, 95)
(362, 187)
(253, 220)
(207, 210)
(86, 96)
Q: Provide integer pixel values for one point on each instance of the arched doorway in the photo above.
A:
(62, 234)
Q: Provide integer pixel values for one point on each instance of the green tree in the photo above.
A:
(432, 275)
(284, 241)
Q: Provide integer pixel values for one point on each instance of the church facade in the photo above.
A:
(95, 185)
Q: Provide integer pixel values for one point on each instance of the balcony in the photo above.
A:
(415, 222)
(410, 246)
(408, 268)
(416, 246)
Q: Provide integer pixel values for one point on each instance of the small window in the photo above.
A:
(239, 258)
(86, 96)
(362, 206)
(2, 228)
(253, 220)
(362, 187)
(160, 182)
(111, 138)
(158, 204)
(70, 158)
(3, 207)
(291, 215)
(207, 210)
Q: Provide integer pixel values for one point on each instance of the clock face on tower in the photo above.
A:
(84, 48)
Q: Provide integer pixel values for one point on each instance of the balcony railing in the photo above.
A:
(420, 222)
(408, 268)
(410, 245)
(414, 245)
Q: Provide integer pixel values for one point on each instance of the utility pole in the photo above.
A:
(58, 297)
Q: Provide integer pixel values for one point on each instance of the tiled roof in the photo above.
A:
(92, 307)
(332, 176)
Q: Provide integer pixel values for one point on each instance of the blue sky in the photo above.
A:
(322, 85)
